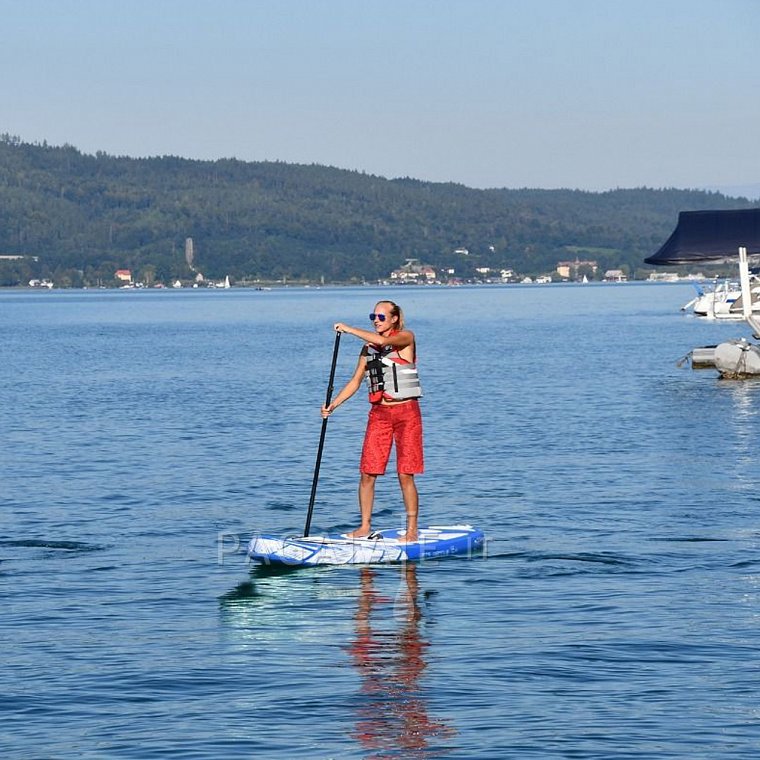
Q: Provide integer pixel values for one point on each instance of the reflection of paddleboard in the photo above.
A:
(380, 546)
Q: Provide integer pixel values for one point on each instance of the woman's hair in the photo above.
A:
(395, 312)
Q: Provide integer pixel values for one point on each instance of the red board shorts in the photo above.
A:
(401, 423)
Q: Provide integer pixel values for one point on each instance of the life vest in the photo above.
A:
(390, 376)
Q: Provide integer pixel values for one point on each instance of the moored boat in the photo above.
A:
(736, 359)
(720, 236)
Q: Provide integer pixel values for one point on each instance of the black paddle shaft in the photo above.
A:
(328, 398)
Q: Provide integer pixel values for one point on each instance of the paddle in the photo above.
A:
(328, 398)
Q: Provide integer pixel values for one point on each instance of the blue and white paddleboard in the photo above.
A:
(380, 546)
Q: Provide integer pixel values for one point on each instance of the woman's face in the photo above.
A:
(383, 320)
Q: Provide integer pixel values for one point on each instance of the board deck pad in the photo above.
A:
(381, 546)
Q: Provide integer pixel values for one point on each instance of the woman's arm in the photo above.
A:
(400, 339)
(349, 388)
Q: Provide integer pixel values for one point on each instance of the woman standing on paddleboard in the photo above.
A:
(388, 362)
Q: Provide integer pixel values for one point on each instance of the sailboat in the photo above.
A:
(720, 236)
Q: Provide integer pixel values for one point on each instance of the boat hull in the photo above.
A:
(737, 359)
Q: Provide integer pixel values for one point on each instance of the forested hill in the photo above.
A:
(84, 216)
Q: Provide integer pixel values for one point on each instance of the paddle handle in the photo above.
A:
(328, 398)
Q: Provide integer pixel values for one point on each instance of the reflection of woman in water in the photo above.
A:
(392, 710)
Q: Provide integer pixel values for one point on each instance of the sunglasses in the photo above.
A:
(373, 317)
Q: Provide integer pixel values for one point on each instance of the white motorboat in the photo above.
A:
(722, 301)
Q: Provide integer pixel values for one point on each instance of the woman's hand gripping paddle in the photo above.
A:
(328, 398)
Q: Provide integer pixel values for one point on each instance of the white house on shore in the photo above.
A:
(413, 272)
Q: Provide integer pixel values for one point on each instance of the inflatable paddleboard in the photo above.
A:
(379, 546)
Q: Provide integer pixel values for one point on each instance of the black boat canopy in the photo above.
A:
(710, 236)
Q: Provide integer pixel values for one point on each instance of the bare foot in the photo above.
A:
(409, 537)
(359, 533)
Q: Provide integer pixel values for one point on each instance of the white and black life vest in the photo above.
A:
(390, 376)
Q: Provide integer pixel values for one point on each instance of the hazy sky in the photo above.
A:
(590, 94)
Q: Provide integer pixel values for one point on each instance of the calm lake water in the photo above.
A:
(147, 435)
